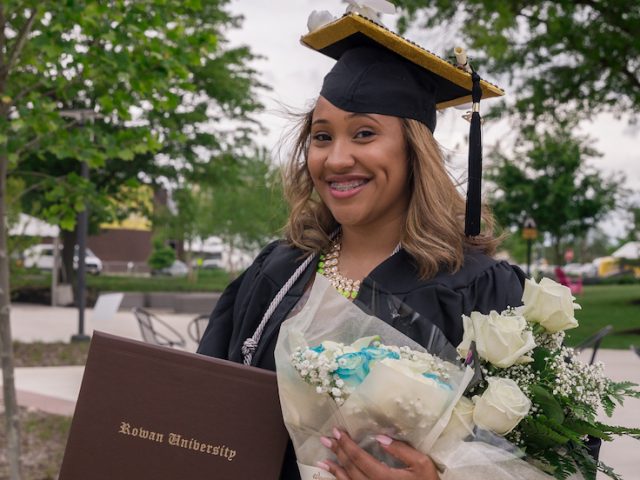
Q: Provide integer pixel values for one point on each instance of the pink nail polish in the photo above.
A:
(384, 440)
(325, 441)
(336, 433)
(323, 466)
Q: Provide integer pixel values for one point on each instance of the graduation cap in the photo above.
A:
(378, 71)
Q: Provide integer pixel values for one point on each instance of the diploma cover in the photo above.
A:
(150, 412)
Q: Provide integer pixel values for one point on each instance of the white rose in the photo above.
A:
(319, 19)
(549, 304)
(502, 340)
(393, 389)
(460, 424)
(501, 406)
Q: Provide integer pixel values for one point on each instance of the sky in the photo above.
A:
(272, 29)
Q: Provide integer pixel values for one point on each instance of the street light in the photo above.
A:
(82, 115)
(529, 233)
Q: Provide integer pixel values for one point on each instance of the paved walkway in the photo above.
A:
(55, 389)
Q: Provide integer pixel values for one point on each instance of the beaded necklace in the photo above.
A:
(328, 266)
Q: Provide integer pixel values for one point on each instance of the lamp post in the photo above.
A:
(529, 233)
(82, 115)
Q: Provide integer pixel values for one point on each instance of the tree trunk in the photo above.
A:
(557, 251)
(6, 345)
(188, 259)
(69, 240)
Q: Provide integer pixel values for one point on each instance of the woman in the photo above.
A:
(373, 209)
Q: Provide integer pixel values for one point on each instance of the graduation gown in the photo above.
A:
(482, 284)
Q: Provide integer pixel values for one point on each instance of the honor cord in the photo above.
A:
(251, 344)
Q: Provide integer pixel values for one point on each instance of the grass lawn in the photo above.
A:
(602, 305)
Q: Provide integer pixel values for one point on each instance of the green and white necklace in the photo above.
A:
(328, 266)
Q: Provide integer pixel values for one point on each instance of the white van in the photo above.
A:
(41, 256)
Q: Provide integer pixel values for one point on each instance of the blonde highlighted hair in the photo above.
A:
(433, 232)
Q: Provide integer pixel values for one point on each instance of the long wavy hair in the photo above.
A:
(433, 231)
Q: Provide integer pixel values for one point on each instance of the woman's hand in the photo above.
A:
(356, 464)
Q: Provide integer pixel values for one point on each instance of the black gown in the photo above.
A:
(482, 284)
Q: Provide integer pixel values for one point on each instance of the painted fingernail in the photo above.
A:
(325, 441)
(323, 466)
(336, 433)
(384, 440)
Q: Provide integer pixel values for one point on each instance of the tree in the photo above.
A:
(246, 210)
(250, 211)
(161, 256)
(560, 55)
(547, 178)
(184, 222)
(633, 234)
(161, 66)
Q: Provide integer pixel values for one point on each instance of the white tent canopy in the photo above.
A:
(33, 227)
(630, 250)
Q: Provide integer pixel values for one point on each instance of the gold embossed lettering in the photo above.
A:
(140, 432)
(124, 428)
(174, 439)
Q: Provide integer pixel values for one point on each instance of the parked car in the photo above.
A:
(581, 269)
(41, 256)
(211, 263)
(177, 269)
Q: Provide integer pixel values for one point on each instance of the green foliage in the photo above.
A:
(246, 210)
(547, 178)
(550, 407)
(207, 281)
(560, 55)
(517, 247)
(251, 210)
(582, 427)
(538, 435)
(161, 257)
(560, 466)
(16, 244)
(616, 393)
(540, 359)
(633, 233)
(165, 65)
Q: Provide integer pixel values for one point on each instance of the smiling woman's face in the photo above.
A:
(358, 165)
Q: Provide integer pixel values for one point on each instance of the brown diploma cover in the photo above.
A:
(148, 412)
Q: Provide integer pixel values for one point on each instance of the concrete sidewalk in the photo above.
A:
(55, 389)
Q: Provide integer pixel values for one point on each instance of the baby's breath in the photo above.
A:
(578, 381)
(523, 374)
(318, 368)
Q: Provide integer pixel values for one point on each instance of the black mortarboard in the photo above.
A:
(381, 72)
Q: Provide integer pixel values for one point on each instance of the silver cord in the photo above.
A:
(251, 344)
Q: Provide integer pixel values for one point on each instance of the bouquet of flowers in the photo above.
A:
(527, 397)
(536, 393)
